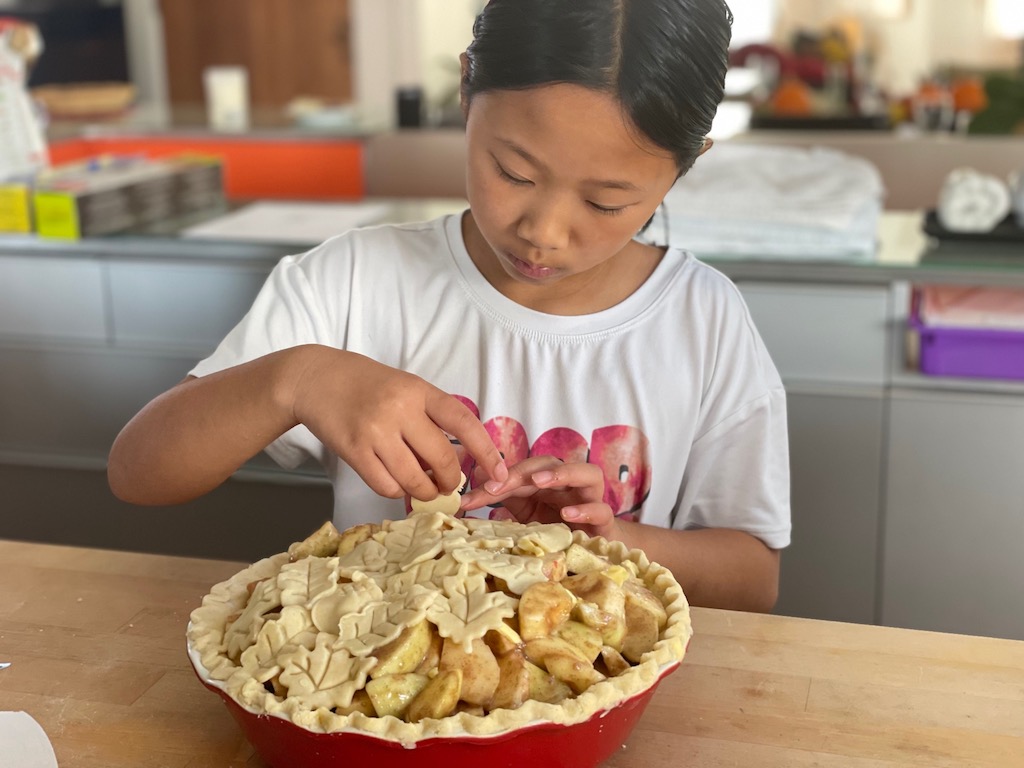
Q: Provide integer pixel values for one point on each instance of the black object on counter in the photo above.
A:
(1006, 231)
(410, 107)
(767, 122)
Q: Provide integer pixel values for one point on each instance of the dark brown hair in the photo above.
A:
(664, 60)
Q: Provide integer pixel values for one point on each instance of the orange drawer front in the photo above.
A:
(253, 168)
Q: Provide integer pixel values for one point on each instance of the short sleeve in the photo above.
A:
(737, 472)
(286, 313)
(737, 475)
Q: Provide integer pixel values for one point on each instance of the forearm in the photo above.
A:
(716, 567)
(190, 439)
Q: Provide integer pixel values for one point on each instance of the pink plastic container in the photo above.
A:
(971, 352)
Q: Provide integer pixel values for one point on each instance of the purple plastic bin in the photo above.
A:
(972, 352)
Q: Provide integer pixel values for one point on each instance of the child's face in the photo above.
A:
(559, 183)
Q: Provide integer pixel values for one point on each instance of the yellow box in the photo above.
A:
(15, 208)
(57, 215)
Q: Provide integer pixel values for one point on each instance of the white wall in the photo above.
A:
(406, 42)
(446, 28)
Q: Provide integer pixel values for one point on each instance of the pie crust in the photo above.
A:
(314, 624)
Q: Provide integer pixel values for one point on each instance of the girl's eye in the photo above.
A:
(510, 178)
(605, 210)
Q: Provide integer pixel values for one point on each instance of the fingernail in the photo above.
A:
(501, 472)
(493, 486)
(539, 478)
(570, 513)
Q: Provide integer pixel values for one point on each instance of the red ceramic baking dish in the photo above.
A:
(283, 744)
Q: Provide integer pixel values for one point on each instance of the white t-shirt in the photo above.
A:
(671, 391)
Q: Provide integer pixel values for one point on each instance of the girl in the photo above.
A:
(571, 371)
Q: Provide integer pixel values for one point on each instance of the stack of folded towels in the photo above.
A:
(954, 306)
(773, 202)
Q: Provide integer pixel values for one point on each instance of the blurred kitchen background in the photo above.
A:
(158, 156)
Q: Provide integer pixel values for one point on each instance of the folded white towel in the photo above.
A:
(774, 201)
(814, 187)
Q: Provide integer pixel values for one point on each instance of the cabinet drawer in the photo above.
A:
(832, 334)
(67, 401)
(51, 298)
(190, 306)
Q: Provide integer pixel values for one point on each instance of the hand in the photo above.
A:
(388, 425)
(545, 490)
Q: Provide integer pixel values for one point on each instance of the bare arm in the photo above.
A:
(716, 567)
(386, 424)
(191, 438)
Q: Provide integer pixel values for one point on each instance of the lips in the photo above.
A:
(529, 270)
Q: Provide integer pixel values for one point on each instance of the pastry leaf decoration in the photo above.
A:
(467, 610)
(293, 628)
(379, 623)
(325, 676)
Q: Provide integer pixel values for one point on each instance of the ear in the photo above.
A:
(463, 73)
(708, 144)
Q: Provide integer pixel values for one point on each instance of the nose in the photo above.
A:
(545, 226)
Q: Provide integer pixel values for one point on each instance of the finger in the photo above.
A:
(434, 451)
(518, 483)
(528, 511)
(403, 466)
(595, 514)
(587, 480)
(457, 420)
(376, 476)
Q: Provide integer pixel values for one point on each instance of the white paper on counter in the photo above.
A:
(23, 743)
(290, 222)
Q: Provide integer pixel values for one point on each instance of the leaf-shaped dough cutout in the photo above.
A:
(414, 539)
(348, 598)
(456, 539)
(518, 572)
(493, 529)
(294, 627)
(542, 539)
(467, 610)
(379, 623)
(429, 573)
(368, 557)
(325, 676)
(305, 580)
(266, 596)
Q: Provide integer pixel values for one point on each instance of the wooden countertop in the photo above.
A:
(97, 645)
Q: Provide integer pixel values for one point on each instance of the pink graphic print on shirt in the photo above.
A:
(620, 450)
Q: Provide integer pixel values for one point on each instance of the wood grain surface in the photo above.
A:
(97, 644)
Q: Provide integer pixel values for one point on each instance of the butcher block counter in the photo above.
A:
(96, 641)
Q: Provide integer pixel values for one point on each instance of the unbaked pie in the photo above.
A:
(439, 626)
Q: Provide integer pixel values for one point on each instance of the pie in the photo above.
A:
(440, 626)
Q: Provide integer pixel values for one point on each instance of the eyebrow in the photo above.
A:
(608, 183)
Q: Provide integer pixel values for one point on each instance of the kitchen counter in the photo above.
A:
(904, 252)
(96, 641)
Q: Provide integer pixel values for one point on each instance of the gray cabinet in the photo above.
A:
(183, 305)
(833, 334)
(830, 569)
(85, 341)
(55, 298)
(953, 556)
(829, 343)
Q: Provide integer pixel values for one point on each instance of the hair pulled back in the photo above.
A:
(663, 60)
